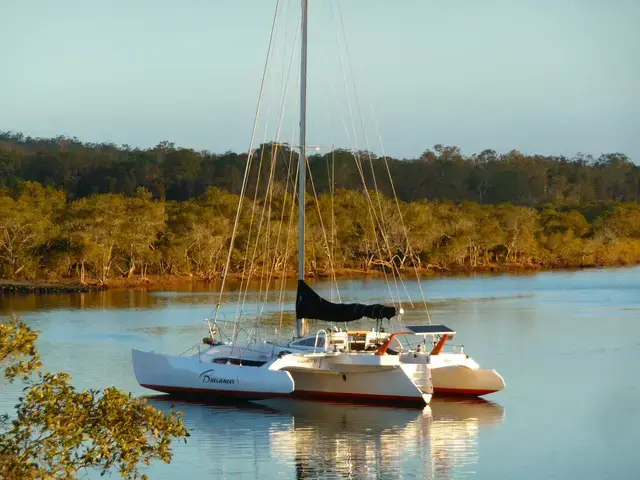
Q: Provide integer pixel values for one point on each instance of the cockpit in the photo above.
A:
(342, 341)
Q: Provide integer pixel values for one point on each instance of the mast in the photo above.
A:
(303, 156)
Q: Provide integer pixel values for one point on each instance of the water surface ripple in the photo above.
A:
(567, 343)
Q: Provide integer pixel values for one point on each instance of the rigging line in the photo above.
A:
(280, 227)
(333, 154)
(367, 195)
(346, 89)
(265, 249)
(332, 243)
(385, 235)
(379, 224)
(271, 264)
(239, 310)
(355, 153)
(331, 215)
(267, 237)
(404, 228)
(288, 237)
(282, 109)
(244, 283)
(382, 232)
(333, 85)
(249, 160)
(268, 193)
(289, 181)
(261, 254)
(320, 219)
(241, 296)
(287, 23)
(324, 232)
(332, 178)
(240, 306)
(374, 220)
(330, 182)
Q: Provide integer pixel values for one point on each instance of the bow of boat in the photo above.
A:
(190, 376)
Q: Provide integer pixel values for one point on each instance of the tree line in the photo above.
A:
(44, 234)
(442, 173)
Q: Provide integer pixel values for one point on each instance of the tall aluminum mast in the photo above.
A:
(303, 155)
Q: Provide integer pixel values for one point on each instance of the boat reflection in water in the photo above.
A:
(309, 439)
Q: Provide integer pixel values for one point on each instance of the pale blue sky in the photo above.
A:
(541, 76)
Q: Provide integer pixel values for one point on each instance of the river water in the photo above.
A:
(567, 344)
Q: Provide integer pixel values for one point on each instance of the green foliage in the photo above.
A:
(147, 221)
(95, 225)
(16, 342)
(105, 236)
(198, 238)
(27, 222)
(169, 210)
(58, 432)
(441, 173)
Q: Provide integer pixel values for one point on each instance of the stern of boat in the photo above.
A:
(464, 381)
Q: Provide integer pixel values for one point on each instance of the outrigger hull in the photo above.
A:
(188, 376)
(460, 380)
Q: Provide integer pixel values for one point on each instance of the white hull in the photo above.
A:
(451, 373)
(190, 376)
(397, 388)
(343, 377)
(360, 378)
(462, 380)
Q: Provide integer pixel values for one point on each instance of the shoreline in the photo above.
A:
(170, 282)
(27, 287)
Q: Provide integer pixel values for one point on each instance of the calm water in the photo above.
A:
(567, 343)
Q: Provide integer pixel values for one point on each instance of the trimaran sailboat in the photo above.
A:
(332, 364)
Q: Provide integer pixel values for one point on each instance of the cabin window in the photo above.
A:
(310, 342)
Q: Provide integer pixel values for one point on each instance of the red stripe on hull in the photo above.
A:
(200, 392)
(366, 399)
(463, 392)
(360, 398)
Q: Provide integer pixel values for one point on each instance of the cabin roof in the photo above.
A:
(431, 330)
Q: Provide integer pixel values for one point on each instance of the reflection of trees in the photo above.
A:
(98, 299)
(321, 440)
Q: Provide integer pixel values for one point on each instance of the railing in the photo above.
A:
(197, 345)
(456, 348)
(326, 339)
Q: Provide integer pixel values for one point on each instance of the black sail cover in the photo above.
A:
(312, 306)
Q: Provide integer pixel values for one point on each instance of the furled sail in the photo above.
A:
(312, 306)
